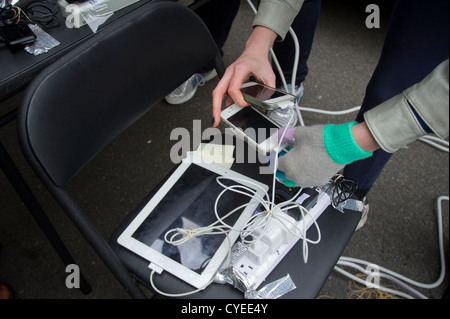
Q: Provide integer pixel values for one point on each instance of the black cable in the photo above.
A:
(44, 13)
(343, 189)
(6, 15)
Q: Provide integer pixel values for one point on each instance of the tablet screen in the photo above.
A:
(190, 204)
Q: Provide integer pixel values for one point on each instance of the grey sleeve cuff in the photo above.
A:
(430, 99)
(277, 15)
(393, 123)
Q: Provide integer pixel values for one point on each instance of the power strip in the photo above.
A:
(265, 254)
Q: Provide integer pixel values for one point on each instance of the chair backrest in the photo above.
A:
(73, 109)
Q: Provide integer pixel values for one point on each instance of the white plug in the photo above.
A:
(273, 236)
(155, 268)
(285, 104)
(280, 230)
(258, 252)
(288, 227)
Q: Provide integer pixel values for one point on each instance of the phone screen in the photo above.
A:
(261, 92)
(256, 126)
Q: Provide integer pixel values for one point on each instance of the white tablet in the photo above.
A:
(187, 200)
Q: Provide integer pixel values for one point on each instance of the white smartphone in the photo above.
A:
(253, 126)
(265, 97)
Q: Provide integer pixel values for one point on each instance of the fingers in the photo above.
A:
(241, 73)
(235, 75)
(219, 94)
(229, 86)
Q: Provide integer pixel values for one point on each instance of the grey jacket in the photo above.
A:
(392, 123)
(277, 15)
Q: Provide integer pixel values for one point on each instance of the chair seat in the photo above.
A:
(337, 226)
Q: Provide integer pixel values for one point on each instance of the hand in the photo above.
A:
(254, 61)
(321, 151)
(308, 164)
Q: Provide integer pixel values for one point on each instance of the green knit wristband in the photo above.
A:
(341, 145)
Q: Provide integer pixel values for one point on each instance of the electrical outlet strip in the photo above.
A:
(258, 261)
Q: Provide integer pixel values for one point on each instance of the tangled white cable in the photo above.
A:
(258, 224)
(395, 277)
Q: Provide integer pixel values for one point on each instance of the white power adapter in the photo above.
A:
(288, 226)
(280, 230)
(281, 234)
(258, 252)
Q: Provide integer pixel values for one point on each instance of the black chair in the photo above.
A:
(82, 102)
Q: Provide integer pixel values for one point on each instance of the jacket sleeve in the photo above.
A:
(277, 15)
(395, 123)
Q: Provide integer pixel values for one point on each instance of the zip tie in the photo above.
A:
(268, 212)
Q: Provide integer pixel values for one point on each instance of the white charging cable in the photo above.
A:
(395, 277)
(436, 142)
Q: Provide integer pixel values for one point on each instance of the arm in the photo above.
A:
(401, 119)
(277, 15)
(364, 138)
(321, 151)
(254, 61)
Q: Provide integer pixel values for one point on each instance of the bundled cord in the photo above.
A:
(13, 15)
(44, 13)
(257, 226)
(343, 189)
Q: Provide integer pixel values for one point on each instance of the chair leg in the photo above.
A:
(17, 181)
(101, 247)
